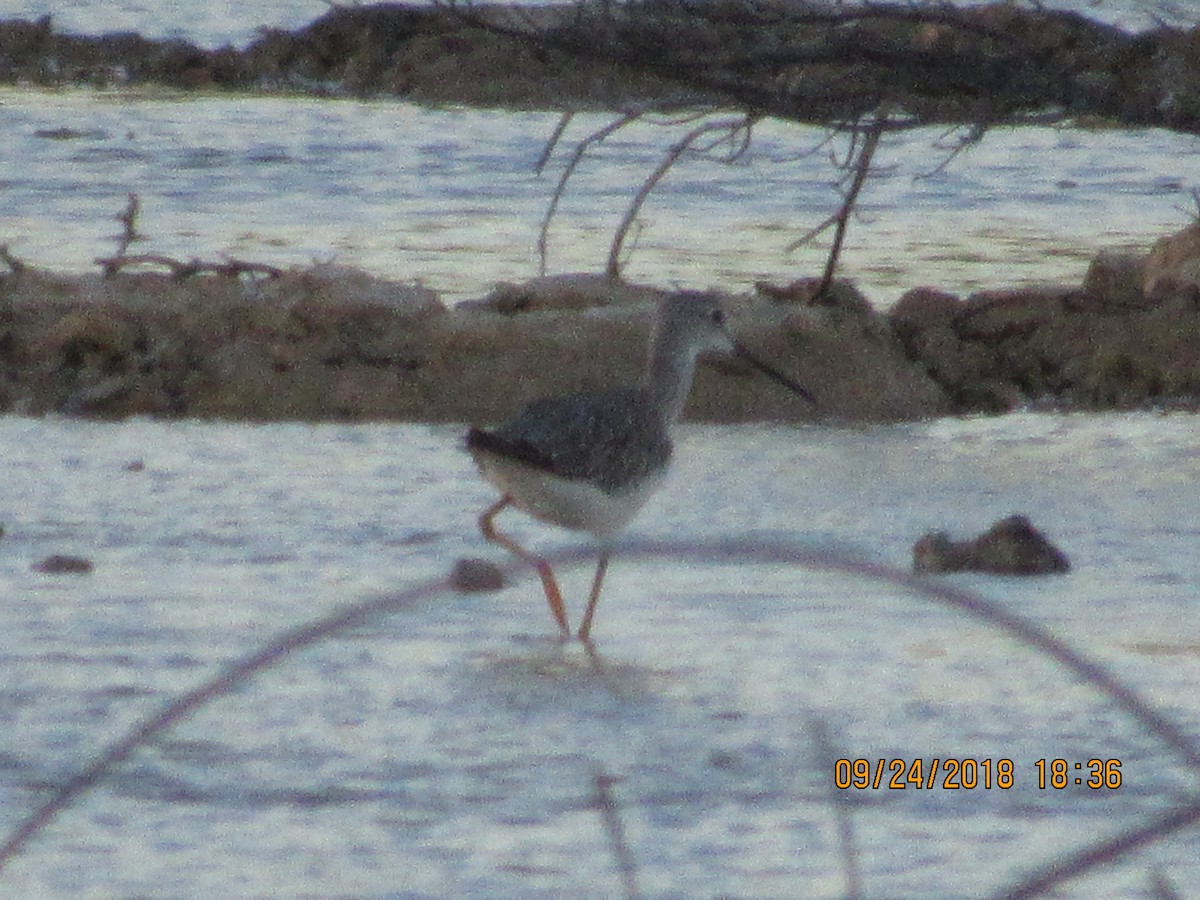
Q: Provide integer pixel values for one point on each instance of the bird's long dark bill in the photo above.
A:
(773, 373)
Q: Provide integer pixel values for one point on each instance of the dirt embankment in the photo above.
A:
(939, 63)
(415, 52)
(330, 343)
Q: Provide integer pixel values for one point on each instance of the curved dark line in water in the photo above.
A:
(946, 594)
(233, 675)
(749, 549)
(1102, 853)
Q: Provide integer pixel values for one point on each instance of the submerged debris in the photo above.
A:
(472, 575)
(64, 564)
(1012, 546)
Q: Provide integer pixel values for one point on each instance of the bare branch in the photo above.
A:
(839, 64)
(128, 219)
(581, 149)
(552, 142)
(861, 169)
(230, 268)
(812, 233)
(729, 126)
(1161, 888)
(1105, 852)
(973, 135)
(606, 802)
(827, 753)
(863, 142)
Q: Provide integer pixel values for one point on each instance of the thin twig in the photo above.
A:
(676, 150)
(1161, 888)
(827, 223)
(227, 679)
(1104, 852)
(827, 753)
(974, 134)
(114, 264)
(547, 151)
(128, 219)
(179, 269)
(841, 219)
(123, 259)
(631, 244)
(581, 149)
(610, 812)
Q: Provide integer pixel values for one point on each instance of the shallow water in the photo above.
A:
(450, 197)
(452, 747)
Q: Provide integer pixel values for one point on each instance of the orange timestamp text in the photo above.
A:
(954, 774)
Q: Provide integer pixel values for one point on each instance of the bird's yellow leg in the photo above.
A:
(549, 585)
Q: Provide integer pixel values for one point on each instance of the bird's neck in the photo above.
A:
(669, 378)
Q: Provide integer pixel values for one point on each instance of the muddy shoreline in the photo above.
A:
(334, 343)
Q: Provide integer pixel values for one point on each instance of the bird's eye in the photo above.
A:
(717, 316)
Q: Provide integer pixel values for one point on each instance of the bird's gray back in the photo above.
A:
(612, 438)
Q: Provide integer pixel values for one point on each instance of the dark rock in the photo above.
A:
(62, 564)
(999, 314)
(921, 308)
(1113, 284)
(841, 294)
(1174, 260)
(1012, 546)
(476, 576)
(571, 291)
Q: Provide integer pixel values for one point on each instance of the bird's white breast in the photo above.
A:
(568, 503)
